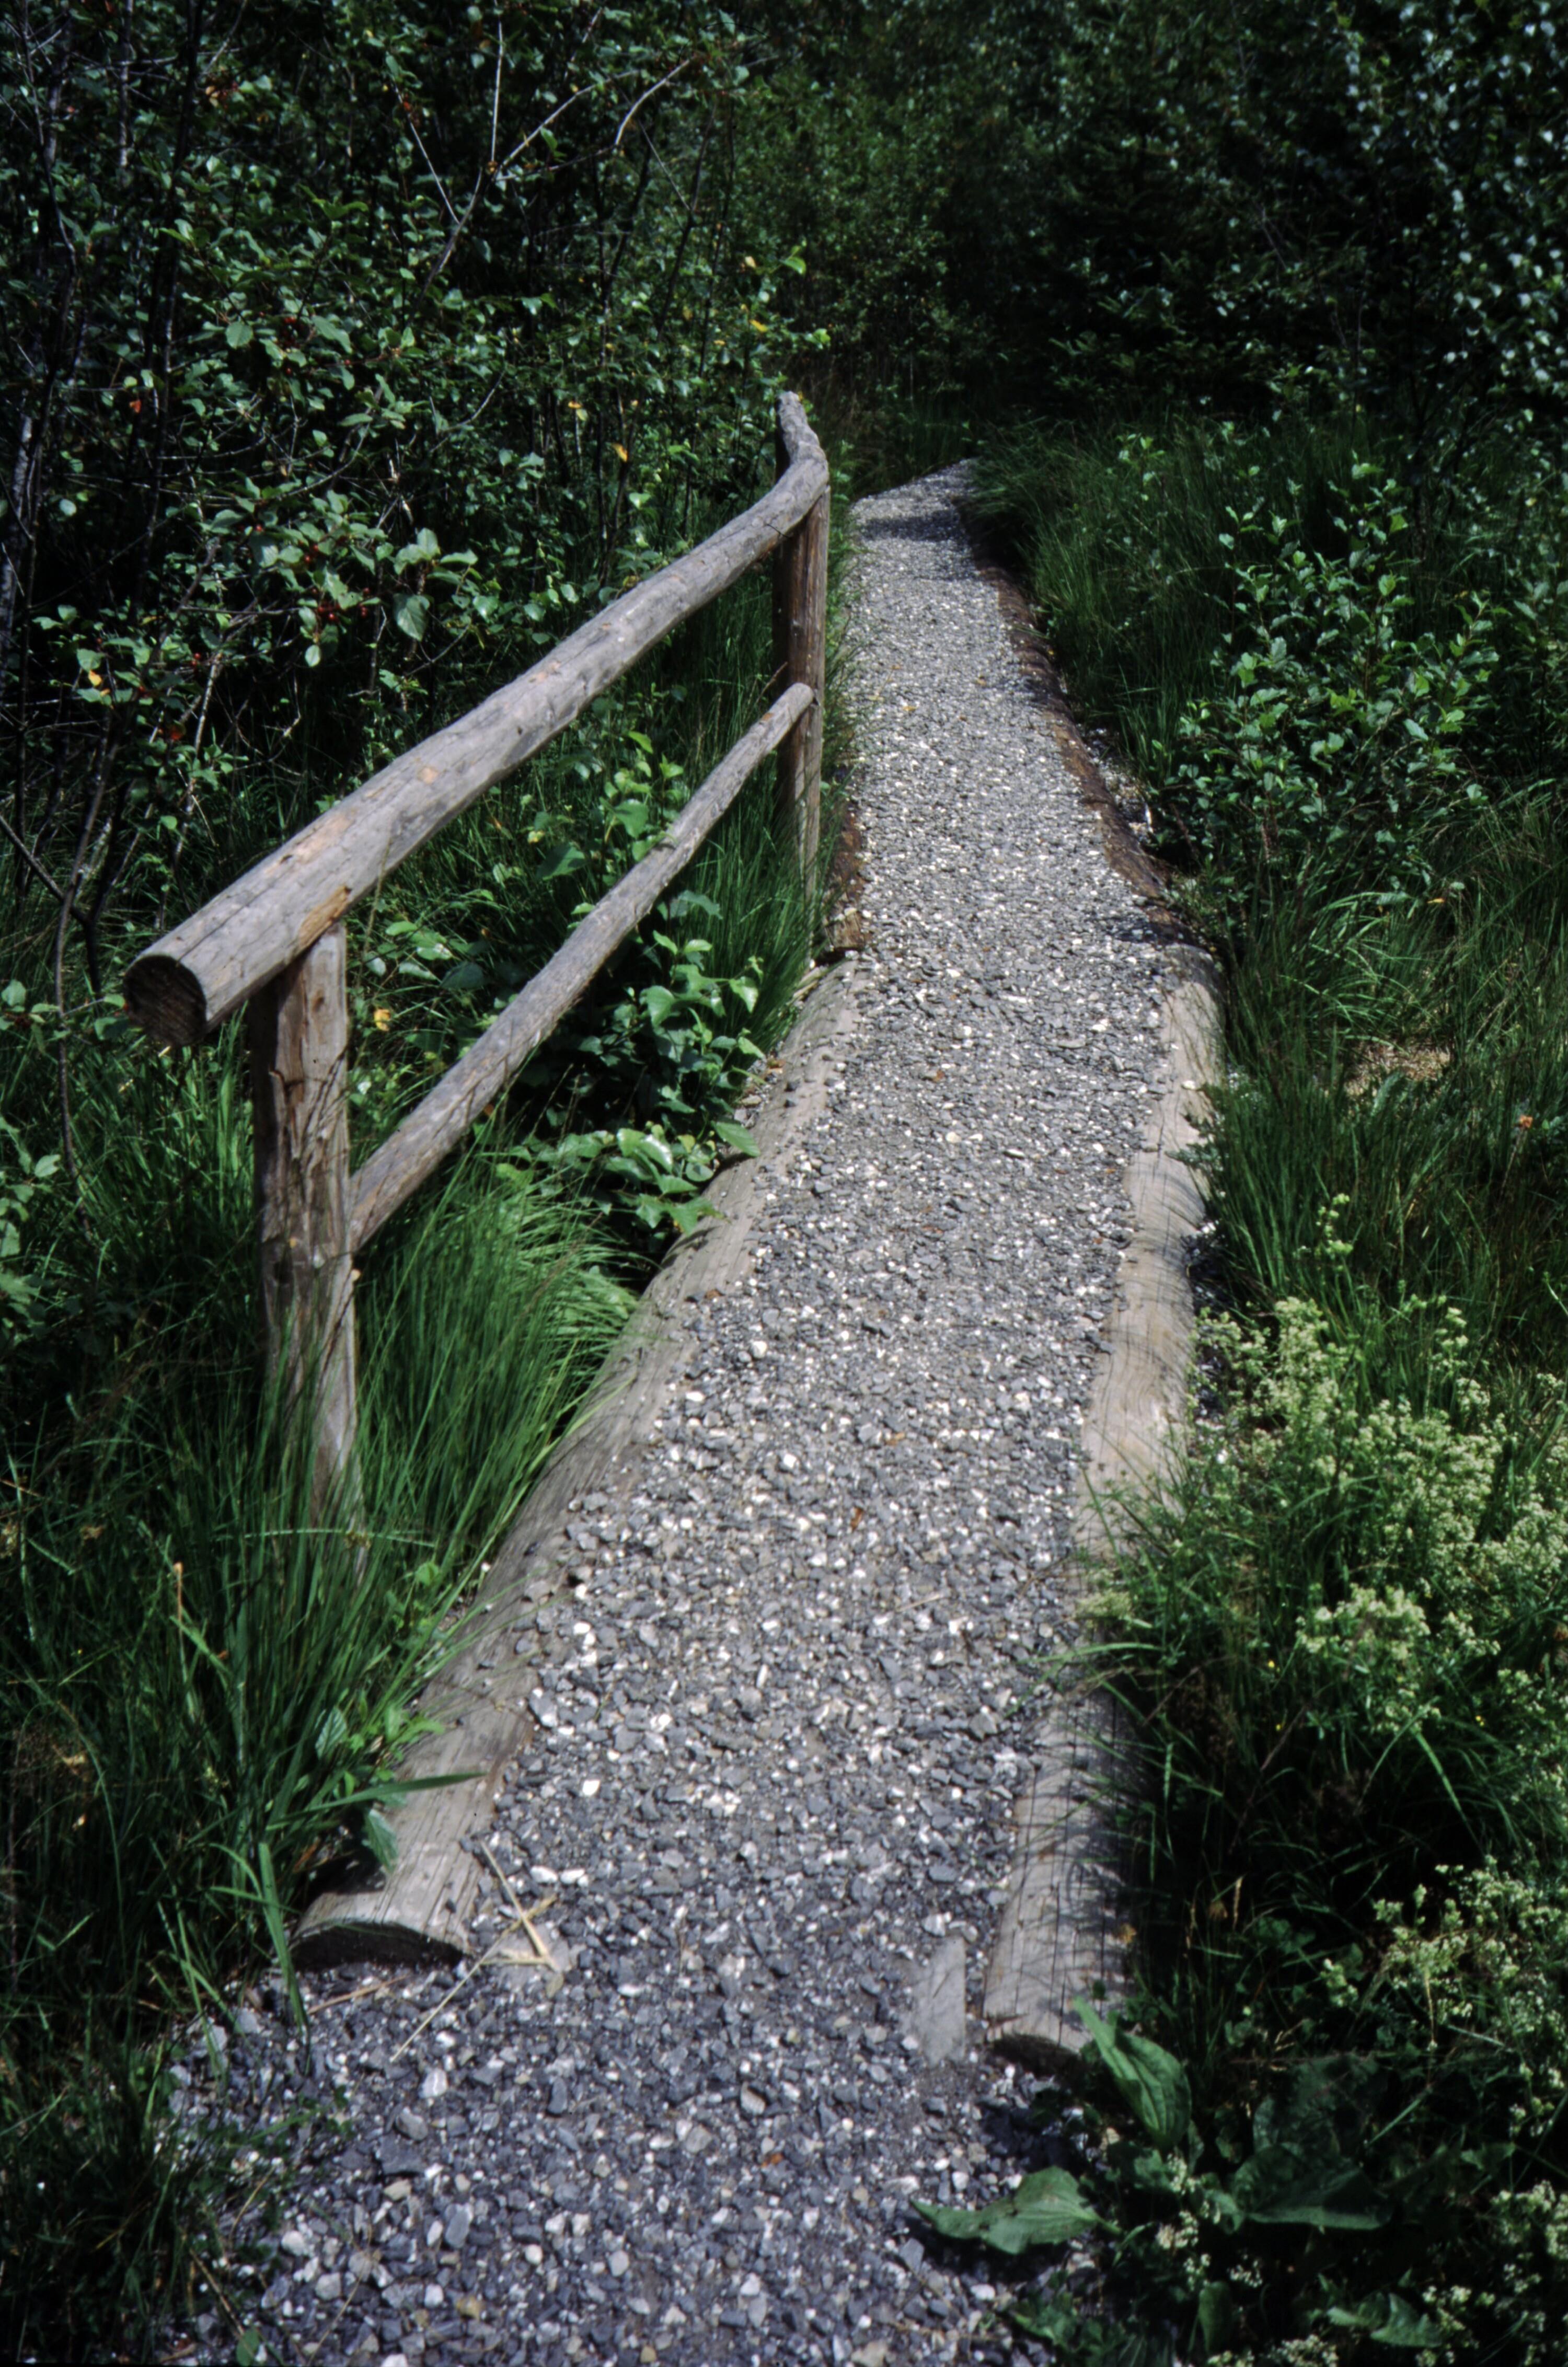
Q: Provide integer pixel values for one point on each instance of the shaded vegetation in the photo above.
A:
(1322, 616)
(355, 361)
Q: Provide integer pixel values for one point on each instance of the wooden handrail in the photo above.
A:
(189, 982)
(471, 1084)
(276, 939)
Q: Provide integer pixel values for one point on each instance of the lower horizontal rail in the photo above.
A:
(471, 1084)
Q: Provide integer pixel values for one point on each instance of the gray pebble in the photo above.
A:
(781, 1731)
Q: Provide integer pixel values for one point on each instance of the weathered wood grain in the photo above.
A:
(426, 1904)
(471, 1084)
(298, 1046)
(206, 967)
(800, 650)
(1058, 1936)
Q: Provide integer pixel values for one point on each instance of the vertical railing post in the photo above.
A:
(800, 654)
(299, 1040)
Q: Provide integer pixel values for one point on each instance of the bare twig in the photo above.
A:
(652, 92)
(30, 859)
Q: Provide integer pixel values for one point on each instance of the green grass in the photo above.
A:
(202, 1690)
(1340, 1640)
(1404, 1065)
(203, 1687)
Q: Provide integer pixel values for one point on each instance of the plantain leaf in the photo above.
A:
(1047, 2208)
(1278, 2187)
(1153, 2082)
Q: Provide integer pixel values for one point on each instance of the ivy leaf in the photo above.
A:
(1047, 2208)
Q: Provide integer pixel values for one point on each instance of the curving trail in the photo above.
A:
(775, 1795)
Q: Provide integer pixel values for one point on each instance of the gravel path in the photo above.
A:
(774, 1800)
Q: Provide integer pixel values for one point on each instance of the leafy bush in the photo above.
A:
(1342, 1650)
(1335, 741)
(1341, 1654)
(354, 356)
(1339, 1643)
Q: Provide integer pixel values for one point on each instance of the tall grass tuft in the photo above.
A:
(1340, 1640)
(203, 1688)
(202, 1691)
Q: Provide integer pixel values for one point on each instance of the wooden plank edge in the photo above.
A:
(1058, 1934)
(424, 1906)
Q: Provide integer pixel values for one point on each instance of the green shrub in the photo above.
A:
(1335, 742)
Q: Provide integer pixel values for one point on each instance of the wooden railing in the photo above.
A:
(276, 941)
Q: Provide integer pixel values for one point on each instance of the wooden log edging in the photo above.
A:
(1058, 1937)
(424, 1906)
(184, 986)
(444, 1116)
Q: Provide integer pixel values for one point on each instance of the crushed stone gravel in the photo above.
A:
(777, 1765)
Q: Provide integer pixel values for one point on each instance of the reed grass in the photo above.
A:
(202, 1691)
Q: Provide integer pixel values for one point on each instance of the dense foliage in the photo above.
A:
(353, 350)
(1307, 573)
(354, 356)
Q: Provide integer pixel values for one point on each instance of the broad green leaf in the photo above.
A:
(562, 862)
(1279, 2187)
(689, 1214)
(1153, 2082)
(1391, 2320)
(1218, 2316)
(380, 1839)
(332, 1733)
(658, 1003)
(1048, 2207)
(736, 1136)
(1082, 2336)
(413, 613)
(423, 549)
